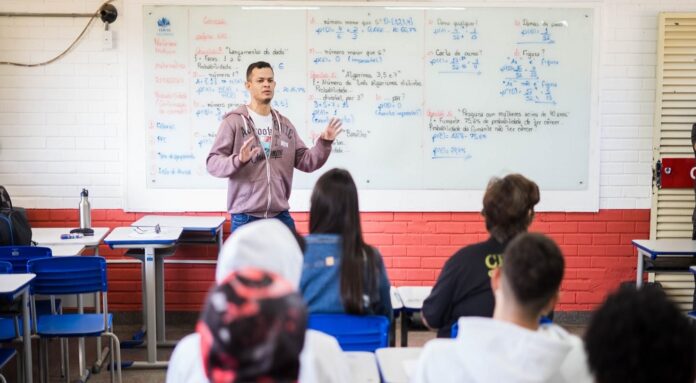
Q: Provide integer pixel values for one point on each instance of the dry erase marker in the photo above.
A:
(71, 236)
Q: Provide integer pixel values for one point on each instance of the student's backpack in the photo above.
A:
(15, 229)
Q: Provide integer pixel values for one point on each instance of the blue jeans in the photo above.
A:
(239, 220)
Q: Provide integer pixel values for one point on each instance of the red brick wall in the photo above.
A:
(597, 247)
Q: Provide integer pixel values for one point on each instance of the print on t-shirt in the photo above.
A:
(493, 261)
(264, 130)
(265, 137)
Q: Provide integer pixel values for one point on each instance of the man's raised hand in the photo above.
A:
(332, 130)
(246, 153)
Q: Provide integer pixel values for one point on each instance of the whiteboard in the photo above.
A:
(435, 101)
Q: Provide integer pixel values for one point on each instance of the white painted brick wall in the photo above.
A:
(627, 95)
(62, 126)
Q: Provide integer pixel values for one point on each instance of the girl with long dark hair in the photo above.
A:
(341, 273)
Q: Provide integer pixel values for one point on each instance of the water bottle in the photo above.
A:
(85, 211)
(85, 216)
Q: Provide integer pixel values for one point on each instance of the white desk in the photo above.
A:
(66, 250)
(397, 364)
(153, 264)
(661, 248)
(412, 298)
(13, 285)
(197, 229)
(47, 236)
(363, 366)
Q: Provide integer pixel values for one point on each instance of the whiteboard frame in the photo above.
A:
(139, 198)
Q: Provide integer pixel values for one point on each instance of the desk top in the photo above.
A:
(397, 364)
(45, 236)
(188, 223)
(12, 283)
(66, 250)
(677, 246)
(363, 366)
(130, 237)
(412, 297)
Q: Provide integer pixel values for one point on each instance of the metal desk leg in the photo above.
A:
(143, 278)
(159, 276)
(405, 323)
(392, 332)
(101, 353)
(149, 286)
(84, 372)
(97, 304)
(220, 241)
(639, 269)
(26, 336)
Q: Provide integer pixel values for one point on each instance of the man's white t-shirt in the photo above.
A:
(264, 129)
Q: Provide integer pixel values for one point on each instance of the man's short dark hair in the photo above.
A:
(639, 336)
(508, 205)
(533, 268)
(256, 65)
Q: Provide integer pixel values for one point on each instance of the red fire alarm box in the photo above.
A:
(676, 173)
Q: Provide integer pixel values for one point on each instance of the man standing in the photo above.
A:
(257, 148)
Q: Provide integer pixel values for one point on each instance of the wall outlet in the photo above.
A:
(107, 40)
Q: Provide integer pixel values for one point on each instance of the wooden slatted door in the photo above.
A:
(675, 113)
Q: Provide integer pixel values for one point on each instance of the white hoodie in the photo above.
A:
(489, 350)
(268, 245)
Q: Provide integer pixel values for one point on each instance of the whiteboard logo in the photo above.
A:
(164, 25)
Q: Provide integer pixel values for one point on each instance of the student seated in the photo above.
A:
(512, 347)
(252, 329)
(341, 273)
(639, 336)
(464, 285)
(270, 246)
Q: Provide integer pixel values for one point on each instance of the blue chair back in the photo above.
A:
(5, 267)
(353, 332)
(68, 275)
(18, 256)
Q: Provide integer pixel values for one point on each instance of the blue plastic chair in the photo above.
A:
(10, 328)
(73, 275)
(18, 256)
(353, 332)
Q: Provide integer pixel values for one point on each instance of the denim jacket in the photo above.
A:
(321, 272)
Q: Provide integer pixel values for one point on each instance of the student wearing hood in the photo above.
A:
(270, 246)
(512, 346)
